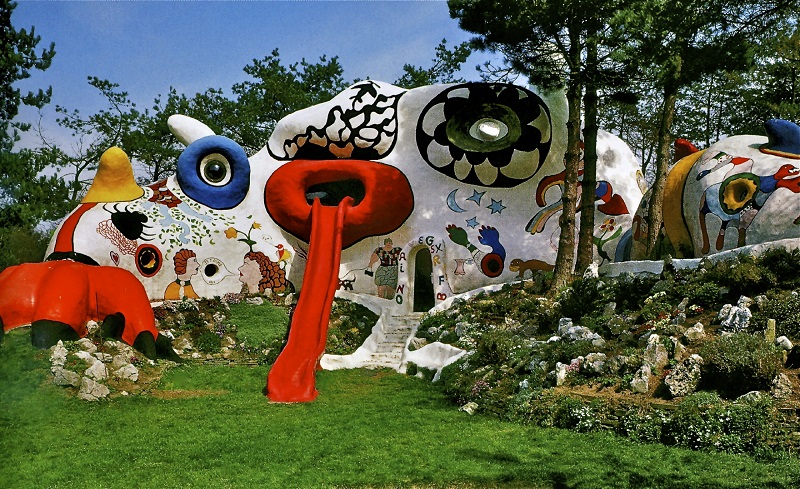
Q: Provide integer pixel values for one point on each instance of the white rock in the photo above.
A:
(469, 408)
(781, 387)
(86, 344)
(92, 326)
(685, 378)
(655, 355)
(58, 357)
(784, 343)
(563, 325)
(64, 377)
(183, 344)
(591, 271)
(119, 361)
(695, 333)
(641, 380)
(87, 357)
(595, 362)
(97, 371)
(91, 390)
(103, 357)
(128, 372)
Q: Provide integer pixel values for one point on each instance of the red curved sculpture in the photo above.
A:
(383, 203)
(57, 298)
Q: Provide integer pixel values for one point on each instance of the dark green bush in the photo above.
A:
(736, 364)
(565, 351)
(208, 342)
(784, 308)
(741, 276)
(494, 347)
(583, 297)
(21, 245)
(703, 294)
(349, 326)
(629, 294)
(782, 265)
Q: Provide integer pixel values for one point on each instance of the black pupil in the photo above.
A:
(214, 171)
(210, 270)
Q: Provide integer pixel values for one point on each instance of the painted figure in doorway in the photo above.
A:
(386, 273)
(186, 266)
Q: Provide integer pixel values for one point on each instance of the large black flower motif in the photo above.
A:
(488, 134)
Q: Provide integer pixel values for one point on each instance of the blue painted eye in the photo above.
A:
(215, 172)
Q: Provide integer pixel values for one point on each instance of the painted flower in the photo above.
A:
(608, 225)
(256, 225)
(230, 233)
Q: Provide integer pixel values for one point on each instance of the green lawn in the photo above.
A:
(368, 428)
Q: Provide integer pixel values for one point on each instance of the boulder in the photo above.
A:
(781, 387)
(103, 357)
(784, 343)
(595, 363)
(58, 355)
(641, 380)
(679, 352)
(92, 326)
(64, 377)
(737, 318)
(469, 408)
(97, 371)
(695, 333)
(86, 344)
(563, 325)
(655, 355)
(87, 357)
(127, 372)
(91, 390)
(685, 378)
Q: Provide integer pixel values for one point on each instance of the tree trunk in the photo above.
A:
(566, 240)
(654, 213)
(589, 182)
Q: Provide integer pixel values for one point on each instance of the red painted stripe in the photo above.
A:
(64, 241)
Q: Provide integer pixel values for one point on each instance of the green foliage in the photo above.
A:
(736, 364)
(703, 294)
(704, 421)
(583, 297)
(349, 326)
(445, 65)
(784, 308)
(208, 342)
(629, 293)
(21, 245)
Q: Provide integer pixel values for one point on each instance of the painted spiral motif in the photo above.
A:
(493, 135)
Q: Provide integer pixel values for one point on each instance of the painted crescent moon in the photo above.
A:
(452, 204)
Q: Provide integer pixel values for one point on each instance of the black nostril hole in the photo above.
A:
(331, 193)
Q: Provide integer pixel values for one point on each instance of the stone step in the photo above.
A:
(390, 347)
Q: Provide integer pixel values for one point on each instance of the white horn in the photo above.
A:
(186, 129)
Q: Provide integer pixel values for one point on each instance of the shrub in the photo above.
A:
(494, 347)
(582, 298)
(739, 363)
(743, 275)
(21, 245)
(784, 309)
(703, 294)
(782, 265)
(208, 342)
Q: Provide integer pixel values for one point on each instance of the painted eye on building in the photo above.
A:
(493, 135)
(215, 172)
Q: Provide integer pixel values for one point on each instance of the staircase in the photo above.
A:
(389, 349)
(383, 349)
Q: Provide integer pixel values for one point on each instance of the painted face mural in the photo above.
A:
(437, 190)
(740, 191)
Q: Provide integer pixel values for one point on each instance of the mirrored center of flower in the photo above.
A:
(488, 130)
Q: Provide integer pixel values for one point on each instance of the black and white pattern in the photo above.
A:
(493, 135)
(364, 128)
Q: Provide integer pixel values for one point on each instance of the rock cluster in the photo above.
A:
(90, 381)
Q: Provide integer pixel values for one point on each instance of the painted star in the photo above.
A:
(473, 223)
(496, 206)
(476, 196)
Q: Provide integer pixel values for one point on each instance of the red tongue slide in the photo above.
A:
(293, 376)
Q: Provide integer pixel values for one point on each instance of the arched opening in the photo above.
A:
(423, 281)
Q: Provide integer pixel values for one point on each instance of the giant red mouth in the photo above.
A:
(331, 204)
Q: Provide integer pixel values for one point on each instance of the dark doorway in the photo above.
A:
(423, 281)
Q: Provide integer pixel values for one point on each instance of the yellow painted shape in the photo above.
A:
(674, 223)
(114, 180)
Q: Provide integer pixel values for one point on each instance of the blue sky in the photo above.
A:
(149, 46)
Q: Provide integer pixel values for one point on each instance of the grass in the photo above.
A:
(210, 426)
(259, 324)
